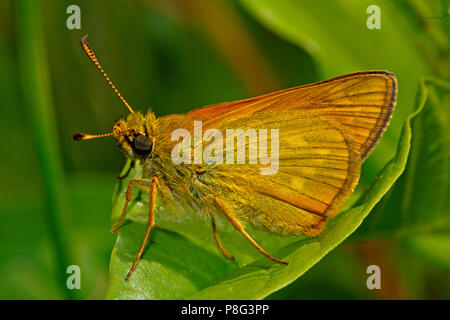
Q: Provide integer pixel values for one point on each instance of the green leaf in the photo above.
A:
(182, 260)
(339, 41)
(418, 202)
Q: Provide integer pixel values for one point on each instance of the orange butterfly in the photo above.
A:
(323, 132)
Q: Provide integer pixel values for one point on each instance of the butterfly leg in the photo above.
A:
(216, 237)
(128, 171)
(240, 228)
(151, 221)
(145, 182)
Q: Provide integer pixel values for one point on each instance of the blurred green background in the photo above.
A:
(173, 56)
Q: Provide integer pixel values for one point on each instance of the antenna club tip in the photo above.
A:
(84, 38)
(78, 136)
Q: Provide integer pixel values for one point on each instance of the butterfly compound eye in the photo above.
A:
(142, 145)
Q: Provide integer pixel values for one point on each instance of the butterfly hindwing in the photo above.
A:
(317, 168)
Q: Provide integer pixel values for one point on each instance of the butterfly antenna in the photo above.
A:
(91, 56)
(85, 136)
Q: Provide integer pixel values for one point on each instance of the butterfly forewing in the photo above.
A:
(362, 103)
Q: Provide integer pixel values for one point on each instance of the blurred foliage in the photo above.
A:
(177, 55)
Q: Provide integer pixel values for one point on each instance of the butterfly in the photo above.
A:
(321, 132)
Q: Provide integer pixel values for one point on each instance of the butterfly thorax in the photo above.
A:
(145, 139)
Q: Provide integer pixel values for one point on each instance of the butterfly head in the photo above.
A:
(134, 135)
